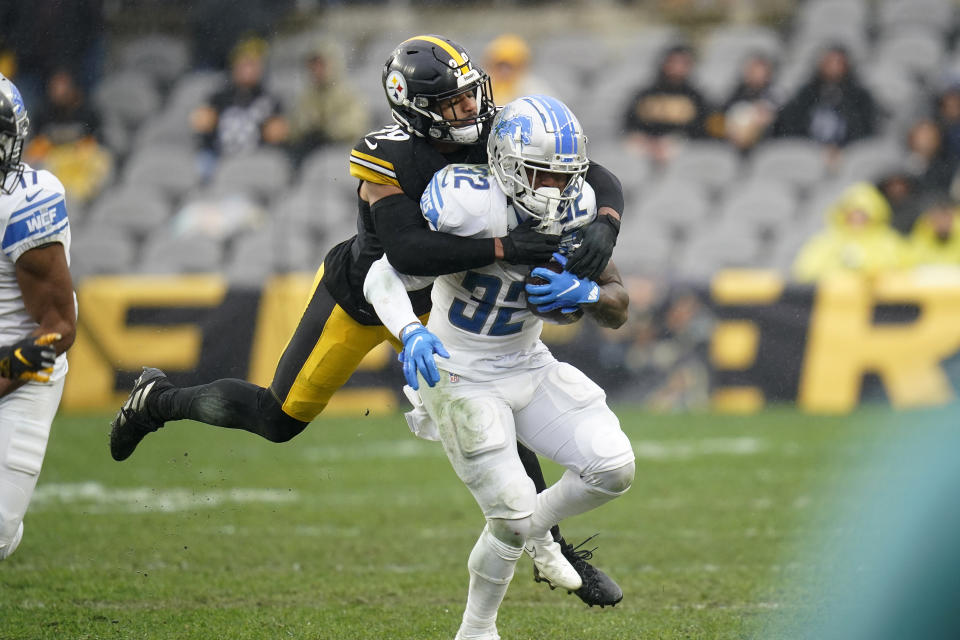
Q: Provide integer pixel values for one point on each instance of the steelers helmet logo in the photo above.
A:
(396, 86)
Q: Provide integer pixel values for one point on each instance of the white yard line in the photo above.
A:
(96, 498)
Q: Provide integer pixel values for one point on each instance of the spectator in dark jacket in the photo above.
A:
(832, 107)
(244, 115)
(751, 108)
(669, 109)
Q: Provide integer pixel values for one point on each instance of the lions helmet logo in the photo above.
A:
(518, 127)
(396, 86)
(18, 106)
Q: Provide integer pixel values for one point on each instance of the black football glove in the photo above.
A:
(29, 359)
(525, 245)
(591, 257)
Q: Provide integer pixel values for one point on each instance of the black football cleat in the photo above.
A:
(133, 422)
(598, 587)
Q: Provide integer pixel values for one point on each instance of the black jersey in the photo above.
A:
(388, 156)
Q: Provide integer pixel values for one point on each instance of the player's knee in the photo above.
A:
(614, 482)
(275, 424)
(510, 532)
(283, 429)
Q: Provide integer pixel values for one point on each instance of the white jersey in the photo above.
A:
(481, 315)
(32, 213)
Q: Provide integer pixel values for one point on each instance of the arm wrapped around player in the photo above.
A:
(600, 236)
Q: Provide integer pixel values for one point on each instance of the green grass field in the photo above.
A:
(356, 529)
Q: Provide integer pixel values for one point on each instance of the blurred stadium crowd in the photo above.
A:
(827, 140)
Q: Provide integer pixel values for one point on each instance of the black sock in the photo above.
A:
(230, 403)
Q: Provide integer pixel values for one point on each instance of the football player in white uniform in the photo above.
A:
(498, 383)
(37, 315)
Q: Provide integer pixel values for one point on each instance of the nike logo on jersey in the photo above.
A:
(31, 196)
(372, 145)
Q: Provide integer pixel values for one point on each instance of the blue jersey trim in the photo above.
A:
(34, 222)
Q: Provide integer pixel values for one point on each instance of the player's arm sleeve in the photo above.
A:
(416, 250)
(386, 290)
(607, 187)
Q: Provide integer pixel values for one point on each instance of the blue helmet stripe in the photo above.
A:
(564, 121)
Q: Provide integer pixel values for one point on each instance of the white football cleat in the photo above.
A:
(551, 565)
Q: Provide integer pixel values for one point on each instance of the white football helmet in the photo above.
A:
(538, 134)
(14, 126)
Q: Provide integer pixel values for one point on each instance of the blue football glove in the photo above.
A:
(419, 345)
(563, 290)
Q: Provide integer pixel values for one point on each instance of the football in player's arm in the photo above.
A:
(37, 315)
(496, 381)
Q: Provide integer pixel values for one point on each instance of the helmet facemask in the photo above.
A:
(458, 126)
(14, 127)
(547, 204)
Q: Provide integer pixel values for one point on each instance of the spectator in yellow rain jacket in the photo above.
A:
(858, 238)
(935, 238)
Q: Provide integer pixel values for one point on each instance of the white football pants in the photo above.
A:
(555, 410)
(25, 419)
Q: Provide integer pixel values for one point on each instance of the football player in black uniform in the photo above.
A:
(442, 105)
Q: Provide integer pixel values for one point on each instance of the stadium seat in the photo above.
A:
(868, 159)
(165, 128)
(644, 248)
(128, 96)
(797, 161)
(715, 247)
(632, 168)
(713, 164)
(162, 57)
(680, 206)
(135, 209)
(819, 14)
(301, 211)
(918, 49)
(328, 168)
(262, 173)
(191, 91)
(290, 51)
(644, 48)
(735, 42)
(938, 15)
(169, 253)
(716, 78)
(763, 206)
(893, 89)
(101, 249)
(287, 84)
(172, 169)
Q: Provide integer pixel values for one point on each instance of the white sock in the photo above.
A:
(491, 568)
(569, 496)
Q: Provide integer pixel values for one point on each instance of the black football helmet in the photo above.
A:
(425, 72)
(14, 126)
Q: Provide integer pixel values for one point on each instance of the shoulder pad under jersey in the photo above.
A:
(463, 199)
(376, 155)
(33, 213)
